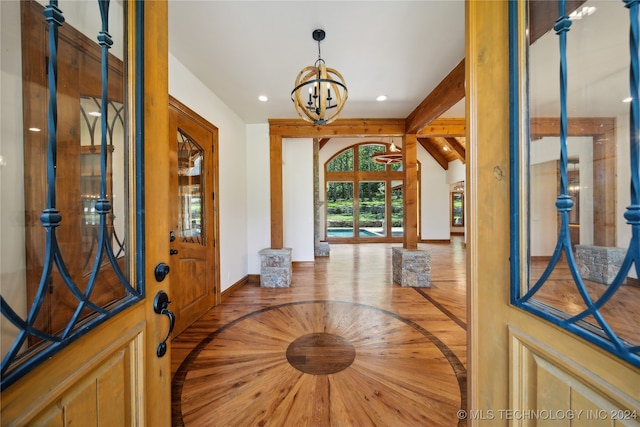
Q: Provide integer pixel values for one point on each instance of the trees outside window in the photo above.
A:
(356, 183)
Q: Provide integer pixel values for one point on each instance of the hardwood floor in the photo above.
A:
(343, 346)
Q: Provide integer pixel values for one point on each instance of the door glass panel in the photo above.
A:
(67, 205)
(340, 209)
(582, 237)
(190, 190)
(372, 209)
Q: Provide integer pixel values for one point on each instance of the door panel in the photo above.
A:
(109, 374)
(549, 381)
(193, 231)
(107, 380)
(519, 362)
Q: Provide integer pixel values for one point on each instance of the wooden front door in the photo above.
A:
(194, 221)
(110, 372)
(524, 370)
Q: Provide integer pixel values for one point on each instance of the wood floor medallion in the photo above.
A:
(320, 353)
(342, 346)
(359, 365)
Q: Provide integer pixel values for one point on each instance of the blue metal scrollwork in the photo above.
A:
(601, 333)
(13, 367)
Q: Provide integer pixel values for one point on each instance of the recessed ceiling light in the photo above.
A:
(34, 129)
(629, 99)
(579, 14)
(445, 148)
(263, 98)
(381, 98)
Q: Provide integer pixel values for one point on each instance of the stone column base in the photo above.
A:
(599, 263)
(322, 249)
(275, 268)
(411, 267)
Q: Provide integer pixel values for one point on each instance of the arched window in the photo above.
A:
(364, 194)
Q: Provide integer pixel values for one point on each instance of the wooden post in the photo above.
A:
(410, 169)
(277, 218)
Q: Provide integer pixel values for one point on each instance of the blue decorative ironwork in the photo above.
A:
(14, 365)
(602, 334)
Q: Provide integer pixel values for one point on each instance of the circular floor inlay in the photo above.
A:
(320, 353)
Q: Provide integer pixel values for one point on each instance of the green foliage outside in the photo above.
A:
(372, 205)
(339, 196)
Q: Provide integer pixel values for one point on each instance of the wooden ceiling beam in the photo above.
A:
(576, 126)
(432, 149)
(323, 142)
(451, 89)
(444, 128)
(543, 15)
(457, 148)
(298, 128)
(447, 94)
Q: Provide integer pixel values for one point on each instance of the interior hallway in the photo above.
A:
(341, 346)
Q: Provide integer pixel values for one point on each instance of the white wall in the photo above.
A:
(434, 197)
(456, 172)
(232, 155)
(297, 183)
(12, 242)
(544, 226)
(544, 154)
(258, 194)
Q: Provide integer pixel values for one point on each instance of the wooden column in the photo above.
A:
(277, 217)
(410, 170)
(604, 188)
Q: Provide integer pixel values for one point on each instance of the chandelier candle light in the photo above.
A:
(320, 92)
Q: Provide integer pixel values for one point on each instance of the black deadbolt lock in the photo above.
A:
(161, 271)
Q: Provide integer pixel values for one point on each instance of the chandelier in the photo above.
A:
(393, 155)
(320, 92)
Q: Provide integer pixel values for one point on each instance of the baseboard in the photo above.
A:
(303, 264)
(248, 279)
(435, 241)
(540, 258)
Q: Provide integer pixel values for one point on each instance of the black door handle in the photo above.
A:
(173, 251)
(160, 304)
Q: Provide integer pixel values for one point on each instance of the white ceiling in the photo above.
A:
(243, 49)
(402, 49)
